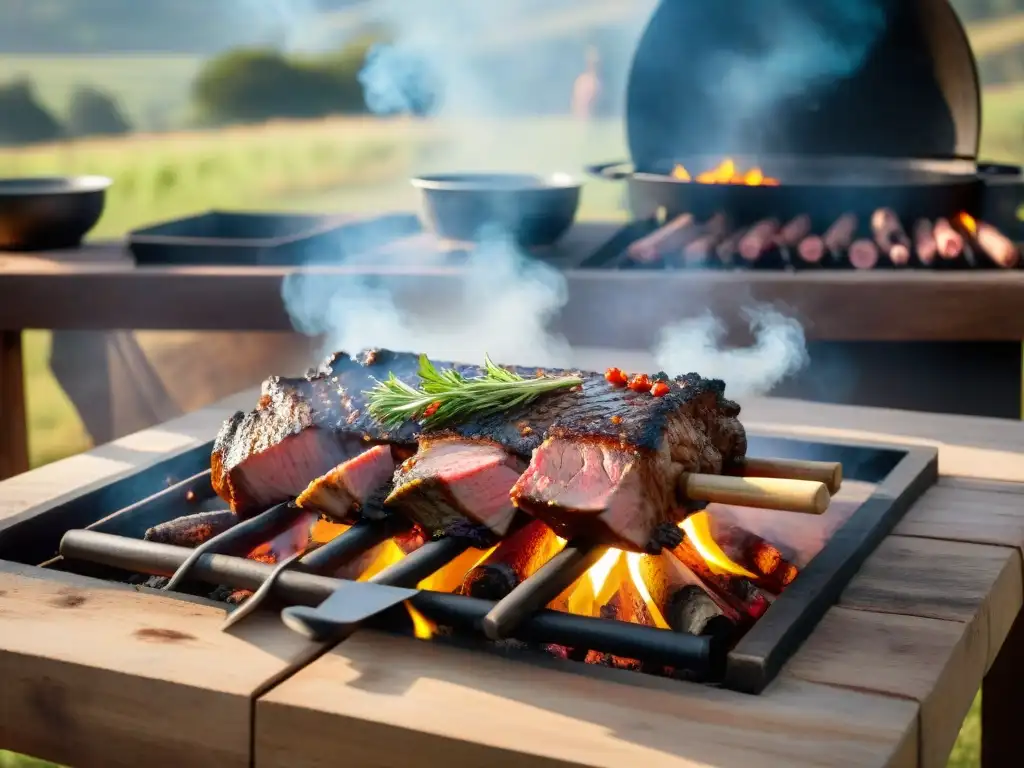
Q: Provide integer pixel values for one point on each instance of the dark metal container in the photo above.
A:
(239, 239)
(531, 210)
(49, 213)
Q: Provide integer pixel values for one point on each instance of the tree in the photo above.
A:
(23, 119)
(94, 113)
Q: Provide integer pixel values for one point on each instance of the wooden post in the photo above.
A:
(1002, 693)
(13, 424)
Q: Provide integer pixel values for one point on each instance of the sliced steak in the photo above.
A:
(452, 479)
(343, 492)
(620, 493)
(303, 428)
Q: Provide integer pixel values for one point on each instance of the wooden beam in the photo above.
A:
(1000, 703)
(98, 675)
(102, 289)
(402, 703)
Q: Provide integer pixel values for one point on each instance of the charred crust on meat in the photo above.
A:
(329, 409)
(477, 536)
(665, 536)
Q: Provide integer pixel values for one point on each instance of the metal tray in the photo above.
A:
(264, 239)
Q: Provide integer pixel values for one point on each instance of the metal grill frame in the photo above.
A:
(130, 505)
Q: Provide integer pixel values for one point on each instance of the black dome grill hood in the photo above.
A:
(812, 78)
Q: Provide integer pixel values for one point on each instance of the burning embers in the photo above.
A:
(726, 172)
(849, 241)
(716, 580)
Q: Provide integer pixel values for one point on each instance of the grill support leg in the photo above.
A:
(1002, 698)
(13, 415)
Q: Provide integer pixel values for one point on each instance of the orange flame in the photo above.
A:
(698, 528)
(388, 553)
(968, 223)
(323, 531)
(422, 627)
(727, 173)
(614, 586)
(450, 577)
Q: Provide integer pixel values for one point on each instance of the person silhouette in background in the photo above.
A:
(586, 90)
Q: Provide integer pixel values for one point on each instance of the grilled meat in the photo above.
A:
(343, 493)
(452, 478)
(604, 459)
(618, 492)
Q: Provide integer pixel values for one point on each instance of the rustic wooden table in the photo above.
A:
(100, 675)
(934, 341)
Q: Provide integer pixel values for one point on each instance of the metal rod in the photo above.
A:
(257, 598)
(550, 580)
(418, 565)
(698, 654)
(246, 535)
(360, 538)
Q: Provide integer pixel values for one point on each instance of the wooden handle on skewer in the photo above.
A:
(828, 472)
(762, 492)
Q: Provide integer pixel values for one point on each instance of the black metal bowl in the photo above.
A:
(532, 210)
(46, 213)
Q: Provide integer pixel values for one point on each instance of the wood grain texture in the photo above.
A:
(949, 580)
(100, 288)
(402, 703)
(923, 619)
(99, 676)
(936, 663)
(958, 512)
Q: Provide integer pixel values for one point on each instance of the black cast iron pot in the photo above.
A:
(38, 214)
(851, 105)
(531, 210)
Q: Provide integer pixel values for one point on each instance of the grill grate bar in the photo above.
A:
(700, 655)
(244, 536)
(425, 561)
(360, 538)
(550, 580)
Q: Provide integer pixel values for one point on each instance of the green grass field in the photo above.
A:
(337, 164)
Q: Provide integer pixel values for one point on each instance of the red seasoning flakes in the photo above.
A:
(616, 377)
(640, 383)
(431, 409)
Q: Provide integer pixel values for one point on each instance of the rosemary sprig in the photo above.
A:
(447, 397)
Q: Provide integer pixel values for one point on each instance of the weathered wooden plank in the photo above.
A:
(923, 619)
(402, 703)
(100, 290)
(968, 512)
(94, 675)
(936, 663)
(950, 580)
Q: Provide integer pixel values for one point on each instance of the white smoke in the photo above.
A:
(779, 350)
(502, 307)
(504, 302)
